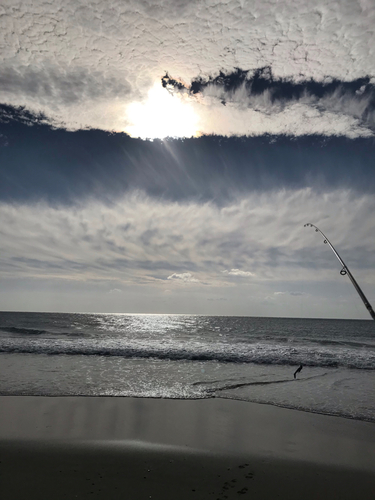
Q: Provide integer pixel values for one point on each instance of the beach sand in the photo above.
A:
(135, 448)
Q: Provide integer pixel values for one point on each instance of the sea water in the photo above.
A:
(189, 357)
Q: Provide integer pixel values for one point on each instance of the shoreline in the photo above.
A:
(302, 410)
(104, 447)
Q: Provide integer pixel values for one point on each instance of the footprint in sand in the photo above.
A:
(243, 491)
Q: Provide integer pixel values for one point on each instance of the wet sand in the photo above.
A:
(74, 447)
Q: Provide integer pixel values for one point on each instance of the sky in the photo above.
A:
(163, 156)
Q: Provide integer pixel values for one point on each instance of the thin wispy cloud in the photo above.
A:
(190, 242)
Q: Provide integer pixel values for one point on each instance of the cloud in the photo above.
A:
(269, 300)
(191, 242)
(115, 290)
(294, 293)
(83, 64)
(69, 87)
(238, 272)
(280, 106)
(76, 254)
(185, 277)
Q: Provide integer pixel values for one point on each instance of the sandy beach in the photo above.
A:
(90, 447)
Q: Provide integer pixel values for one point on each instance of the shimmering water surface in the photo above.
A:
(185, 356)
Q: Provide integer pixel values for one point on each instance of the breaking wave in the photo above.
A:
(22, 331)
(259, 353)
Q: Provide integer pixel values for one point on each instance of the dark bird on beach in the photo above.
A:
(298, 370)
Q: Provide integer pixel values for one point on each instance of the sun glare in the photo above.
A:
(162, 115)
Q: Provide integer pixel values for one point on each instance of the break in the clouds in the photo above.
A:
(60, 167)
(91, 64)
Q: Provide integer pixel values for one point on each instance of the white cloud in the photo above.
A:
(191, 241)
(185, 277)
(338, 113)
(238, 272)
(269, 299)
(79, 251)
(83, 63)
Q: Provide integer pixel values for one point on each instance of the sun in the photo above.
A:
(161, 115)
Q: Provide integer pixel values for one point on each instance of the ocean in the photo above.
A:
(190, 357)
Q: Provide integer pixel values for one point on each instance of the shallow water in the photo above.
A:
(181, 356)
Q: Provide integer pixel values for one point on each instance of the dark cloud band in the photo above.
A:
(352, 98)
(258, 81)
(40, 162)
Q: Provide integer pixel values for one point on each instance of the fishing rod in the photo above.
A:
(345, 270)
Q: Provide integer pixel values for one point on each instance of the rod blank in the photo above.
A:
(345, 270)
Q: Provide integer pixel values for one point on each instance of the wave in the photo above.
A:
(34, 331)
(23, 331)
(273, 354)
(348, 343)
